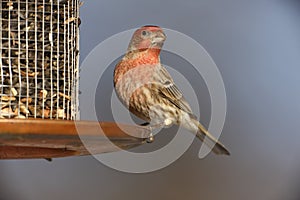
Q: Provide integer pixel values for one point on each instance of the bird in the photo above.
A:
(147, 89)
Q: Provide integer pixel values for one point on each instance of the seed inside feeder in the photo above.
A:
(39, 59)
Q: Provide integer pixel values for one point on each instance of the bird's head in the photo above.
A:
(147, 37)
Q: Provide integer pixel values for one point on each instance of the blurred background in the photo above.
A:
(256, 46)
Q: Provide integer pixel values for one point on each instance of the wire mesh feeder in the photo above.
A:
(39, 76)
(39, 45)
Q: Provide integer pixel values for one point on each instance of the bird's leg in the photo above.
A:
(150, 138)
(165, 123)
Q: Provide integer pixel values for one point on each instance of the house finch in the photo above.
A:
(146, 88)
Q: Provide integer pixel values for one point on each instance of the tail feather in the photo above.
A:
(216, 146)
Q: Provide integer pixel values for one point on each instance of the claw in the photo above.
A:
(150, 139)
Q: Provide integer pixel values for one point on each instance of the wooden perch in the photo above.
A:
(34, 138)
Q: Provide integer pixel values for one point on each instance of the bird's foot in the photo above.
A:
(150, 139)
(165, 123)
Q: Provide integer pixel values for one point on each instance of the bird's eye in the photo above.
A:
(144, 33)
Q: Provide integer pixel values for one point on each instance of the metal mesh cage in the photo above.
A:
(39, 53)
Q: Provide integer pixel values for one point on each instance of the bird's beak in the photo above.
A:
(159, 37)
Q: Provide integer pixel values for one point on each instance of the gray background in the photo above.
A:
(256, 46)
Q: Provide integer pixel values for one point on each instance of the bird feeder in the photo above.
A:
(39, 44)
(39, 77)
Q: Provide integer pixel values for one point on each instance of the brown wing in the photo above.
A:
(169, 90)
